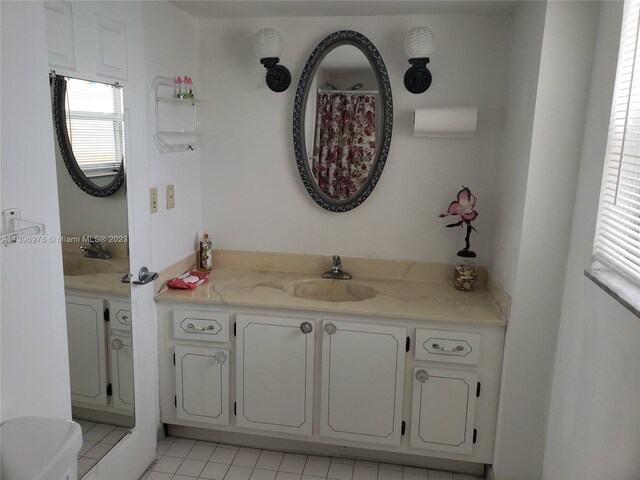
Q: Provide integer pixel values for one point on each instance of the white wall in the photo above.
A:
(560, 109)
(171, 50)
(34, 372)
(594, 426)
(525, 45)
(252, 195)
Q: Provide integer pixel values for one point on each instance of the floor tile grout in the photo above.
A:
(399, 474)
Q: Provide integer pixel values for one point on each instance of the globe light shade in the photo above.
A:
(268, 43)
(419, 43)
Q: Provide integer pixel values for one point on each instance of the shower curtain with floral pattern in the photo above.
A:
(345, 144)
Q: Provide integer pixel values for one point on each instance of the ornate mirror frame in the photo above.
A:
(62, 135)
(344, 37)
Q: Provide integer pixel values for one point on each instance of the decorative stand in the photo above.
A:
(466, 273)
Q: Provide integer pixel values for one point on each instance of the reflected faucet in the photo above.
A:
(336, 272)
(94, 250)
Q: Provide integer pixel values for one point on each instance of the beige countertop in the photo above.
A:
(412, 290)
(95, 275)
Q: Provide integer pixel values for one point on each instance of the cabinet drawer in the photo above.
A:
(204, 325)
(448, 346)
(120, 315)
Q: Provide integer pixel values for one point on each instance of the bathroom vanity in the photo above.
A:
(415, 369)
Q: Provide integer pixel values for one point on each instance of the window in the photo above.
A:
(95, 124)
(617, 241)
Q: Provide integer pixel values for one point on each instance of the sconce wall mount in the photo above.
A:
(418, 78)
(278, 76)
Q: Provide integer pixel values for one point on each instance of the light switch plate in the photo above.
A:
(171, 197)
(153, 199)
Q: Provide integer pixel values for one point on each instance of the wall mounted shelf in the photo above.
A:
(175, 119)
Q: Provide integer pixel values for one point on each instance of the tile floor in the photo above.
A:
(97, 440)
(184, 459)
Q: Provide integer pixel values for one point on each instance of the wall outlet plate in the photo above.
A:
(153, 199)
(171, 197)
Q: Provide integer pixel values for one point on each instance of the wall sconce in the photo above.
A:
(418, 45)
(269, 47)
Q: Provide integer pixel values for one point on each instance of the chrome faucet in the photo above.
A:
(336, 272)
(94, 250)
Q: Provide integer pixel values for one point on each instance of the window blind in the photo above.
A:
(95, 122)
(617, 240)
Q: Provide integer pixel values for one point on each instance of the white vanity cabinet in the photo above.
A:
(202, 384)
(87, 349)
(274, 373)
(348, 382)
(362, 381)
(122, 371)
(443, 409)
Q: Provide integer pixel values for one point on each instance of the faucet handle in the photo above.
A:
(337, 261)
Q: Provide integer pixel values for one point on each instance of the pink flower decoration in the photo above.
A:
(463, 208)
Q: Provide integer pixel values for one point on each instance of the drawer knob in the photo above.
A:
(116, 344)
(330, 328)
(219, 357)
(422, 375)
(199, 329)
(306, 327)
(437, 346)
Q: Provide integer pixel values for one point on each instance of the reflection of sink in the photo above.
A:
(330, 290)
(88, 266)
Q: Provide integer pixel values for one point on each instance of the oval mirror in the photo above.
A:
(89, 124)
(342, 121)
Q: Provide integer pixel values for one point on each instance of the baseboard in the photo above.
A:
(489, 473)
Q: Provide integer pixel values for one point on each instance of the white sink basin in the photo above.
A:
(330, 290)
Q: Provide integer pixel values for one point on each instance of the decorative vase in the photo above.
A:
(465, 276)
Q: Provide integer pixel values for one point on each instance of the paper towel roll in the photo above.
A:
(445, 122)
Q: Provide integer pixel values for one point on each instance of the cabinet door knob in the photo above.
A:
(422, 375)
(219, 357)
(116, 344)
(330, 328)
(306, 327)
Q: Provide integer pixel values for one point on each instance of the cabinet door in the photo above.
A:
(362, 381)
(275, 373)
(442, 416)
(122, 371)
(202, 384)
(87, 352)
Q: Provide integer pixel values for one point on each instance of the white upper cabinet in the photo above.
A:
(443, 412)
(362, 381)
(60, 39)
(274, 373)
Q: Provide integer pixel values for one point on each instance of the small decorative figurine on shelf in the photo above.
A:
(184, 88)
(466, 274)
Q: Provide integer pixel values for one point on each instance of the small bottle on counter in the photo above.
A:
(205, 254)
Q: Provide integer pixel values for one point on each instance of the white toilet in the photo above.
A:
(39, 448)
